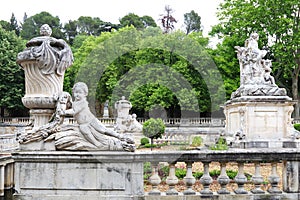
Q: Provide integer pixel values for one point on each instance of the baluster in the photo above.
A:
(206, 180)
(223, 179)
(154, 179)
(172, 180)
(274, 179)
(257, 179)
(2, 180)
(189, 180)
(240, 179)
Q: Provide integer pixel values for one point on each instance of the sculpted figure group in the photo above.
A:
(255, 71)
(89, 134)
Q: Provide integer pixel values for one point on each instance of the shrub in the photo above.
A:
(150, 145)
(231, 174)
(197, 175)
(220, 145)
(180, 173)
(197, 141)
(144, 141)
(153, 128)
(297, 127)
(147, 170)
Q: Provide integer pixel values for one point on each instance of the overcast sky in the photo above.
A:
(112, 10)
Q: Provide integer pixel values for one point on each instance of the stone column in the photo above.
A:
(2, 180)
(290, 177)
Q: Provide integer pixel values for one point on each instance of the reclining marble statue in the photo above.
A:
(44, 61)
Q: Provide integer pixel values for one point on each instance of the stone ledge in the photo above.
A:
(232, 196)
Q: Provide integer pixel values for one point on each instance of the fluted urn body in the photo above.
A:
(44, 62)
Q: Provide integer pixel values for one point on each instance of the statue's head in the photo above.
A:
(254, 36)
(82, 86)
(45, 30)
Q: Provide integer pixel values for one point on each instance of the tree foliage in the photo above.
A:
(192, 22)
(278, 25)
(31, 26)
(149, 68)
(137, 21)
(12, 76)
(153, 128)
(86, 25)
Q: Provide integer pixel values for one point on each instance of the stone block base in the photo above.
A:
(259, 118)
(77, 175)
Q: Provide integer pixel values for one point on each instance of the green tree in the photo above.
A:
(12, 76)
(93, 26)
(137, 21)
(5, 25)
(153, 128)
(70, 30)
(192, 22)
(14, 24)
(277, 23)
(149, 68)
(148, 21)
(31, 26)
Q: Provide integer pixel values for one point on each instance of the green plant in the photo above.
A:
(163, 172)
(180, 173)
(153, 128)
(147, 170)
(297, 127)
(150, 145)
(144, 141)
(231, 174)
(197, 141)
(197, 175)
(220, 145)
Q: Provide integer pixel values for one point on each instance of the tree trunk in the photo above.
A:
(2, 111)
(295, 79)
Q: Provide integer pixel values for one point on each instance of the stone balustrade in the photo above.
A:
(288, 177)
(169, 121)
(282, 184)
(111, 121)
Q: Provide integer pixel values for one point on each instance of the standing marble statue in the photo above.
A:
(255, 71)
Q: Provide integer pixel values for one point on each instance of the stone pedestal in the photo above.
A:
(77, 175)
(262, 121)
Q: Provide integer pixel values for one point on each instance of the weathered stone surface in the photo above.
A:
(44, 62)
(259, 118)
(255, 71)
(258, 115)
(77, 175)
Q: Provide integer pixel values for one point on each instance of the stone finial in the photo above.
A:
(45, 30)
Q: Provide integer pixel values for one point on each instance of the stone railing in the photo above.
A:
(6, 176)
(281, 182)
(278, 183)
(205, 122)
(111, 121)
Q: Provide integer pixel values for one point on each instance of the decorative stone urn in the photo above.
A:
(44, 62)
